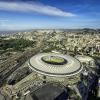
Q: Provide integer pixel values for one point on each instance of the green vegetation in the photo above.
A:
(85, 82)
(53, 60)
(15, 44)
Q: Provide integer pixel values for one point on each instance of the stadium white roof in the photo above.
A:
(72, 67)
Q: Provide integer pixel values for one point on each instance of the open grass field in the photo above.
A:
(53, 60)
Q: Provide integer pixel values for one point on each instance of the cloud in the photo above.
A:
(3, 20)
(4, 24)
(34, 7)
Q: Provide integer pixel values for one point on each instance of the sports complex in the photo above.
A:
(54, 64)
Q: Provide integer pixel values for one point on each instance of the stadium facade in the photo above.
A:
(56, 67)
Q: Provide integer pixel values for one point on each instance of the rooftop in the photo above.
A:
(54, 64)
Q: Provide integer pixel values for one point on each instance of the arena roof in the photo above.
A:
(71, 67)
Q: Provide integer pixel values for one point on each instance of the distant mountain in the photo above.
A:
(85, 30)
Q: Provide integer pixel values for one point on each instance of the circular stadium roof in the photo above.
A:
(53, 64)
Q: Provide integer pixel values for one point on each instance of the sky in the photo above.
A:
(49, 14)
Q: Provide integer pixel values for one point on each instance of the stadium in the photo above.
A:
(56, 67)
